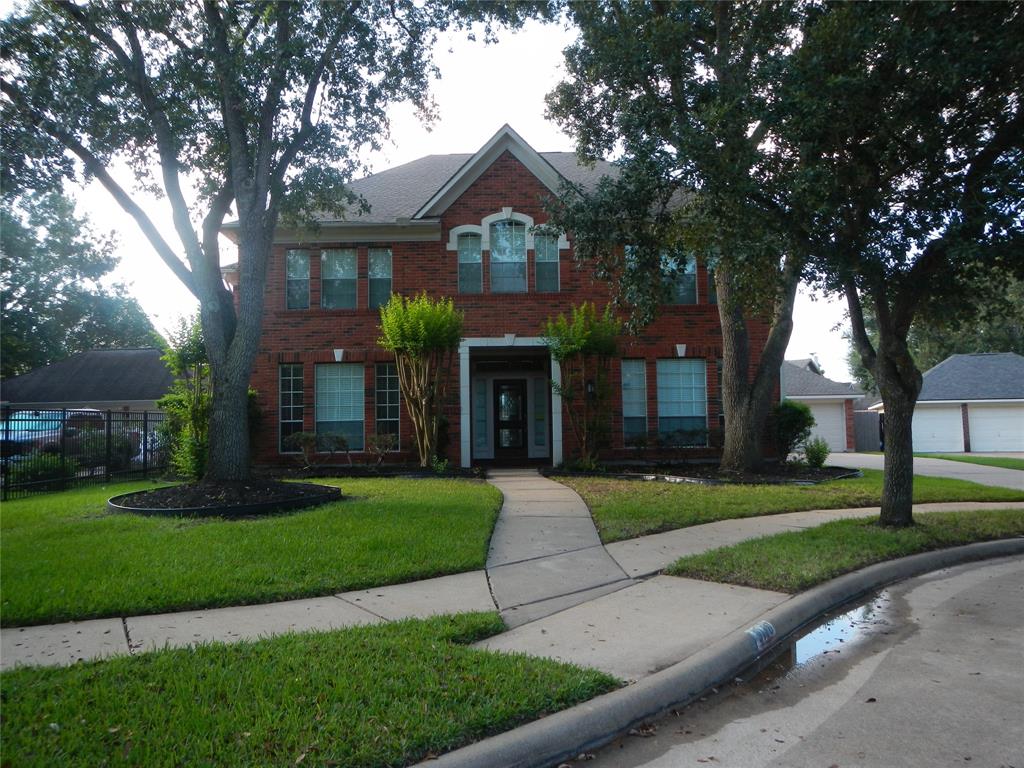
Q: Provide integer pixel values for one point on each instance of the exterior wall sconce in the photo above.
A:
(591, 389)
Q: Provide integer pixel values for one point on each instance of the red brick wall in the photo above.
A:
(851, 433)
(310, 336)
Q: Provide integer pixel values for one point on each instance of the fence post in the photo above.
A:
(5, 457)
(145, 445)
(106, 459)
(62, 456)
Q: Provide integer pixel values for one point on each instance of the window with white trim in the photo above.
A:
(339, 403)
(338, 278)
(289, 405)
(297, 280)
(386, 398)
(470, 264)
(682, 402)
(508, 256)
(634, 402)
(379, 262)
(681, 278)
(545, 249)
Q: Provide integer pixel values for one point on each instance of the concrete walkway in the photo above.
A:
(563, 594)
(545, 553)
(958, 470)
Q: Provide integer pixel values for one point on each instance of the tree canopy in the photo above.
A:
(55, 301)
(261, 107)
(910, 120)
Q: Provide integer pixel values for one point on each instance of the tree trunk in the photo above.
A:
(229, 457)
(898, 480)
(747, 402)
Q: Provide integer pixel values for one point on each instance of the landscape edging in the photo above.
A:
(566, 734)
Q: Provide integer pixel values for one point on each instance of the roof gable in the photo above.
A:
(798, 380)
(505, 140)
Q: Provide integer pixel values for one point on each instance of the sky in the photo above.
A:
(481, 88)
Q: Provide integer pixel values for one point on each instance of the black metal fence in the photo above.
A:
(43, 451)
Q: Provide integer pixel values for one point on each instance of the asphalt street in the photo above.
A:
(928, 673)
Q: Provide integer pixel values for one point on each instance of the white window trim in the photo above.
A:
(484, 230)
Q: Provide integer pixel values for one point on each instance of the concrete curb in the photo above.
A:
(566, 734)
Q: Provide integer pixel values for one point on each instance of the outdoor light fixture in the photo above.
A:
(591, 390)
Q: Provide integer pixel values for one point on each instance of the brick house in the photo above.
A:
(460, 226)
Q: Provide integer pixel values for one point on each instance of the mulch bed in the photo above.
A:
(770, 474)
(234, 498)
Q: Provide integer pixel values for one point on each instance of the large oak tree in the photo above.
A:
(680, 93)
(262, 106)
(911, 119)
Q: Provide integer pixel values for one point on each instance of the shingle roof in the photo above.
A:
(798, 381)
(399, 192)
(982, 376)
(96, 375)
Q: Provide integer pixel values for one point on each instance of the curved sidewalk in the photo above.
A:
(561, 592)
(545, 553)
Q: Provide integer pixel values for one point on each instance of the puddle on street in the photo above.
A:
(840, 633)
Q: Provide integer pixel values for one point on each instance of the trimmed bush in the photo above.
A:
(816, 452)
(793, 422)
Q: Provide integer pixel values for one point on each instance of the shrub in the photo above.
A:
(816, 452)
(793, 422)
(45, 470)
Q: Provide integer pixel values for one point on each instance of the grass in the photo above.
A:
(64, 557)
(363, 697)
(797, 560)
(624, 509)
(1005, 462)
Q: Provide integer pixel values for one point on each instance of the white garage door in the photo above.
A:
(996, 427)
(938, 428)
(830, 424)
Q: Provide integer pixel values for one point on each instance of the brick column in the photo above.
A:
(851, 433)
(967, 427)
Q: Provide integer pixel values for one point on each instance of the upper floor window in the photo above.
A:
(338, 279)
(470, 264)
(297, 281)
(681, 276)
(545, 250)
(380, 276)
(508, 257)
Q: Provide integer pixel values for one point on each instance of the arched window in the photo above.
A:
(508, 256)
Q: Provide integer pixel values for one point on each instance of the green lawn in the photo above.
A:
(797, 560)
(624, 509)
(1004, 462)
(387, 695)
(63, 556)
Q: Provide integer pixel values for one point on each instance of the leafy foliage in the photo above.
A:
(793, 422)
(264, 108)
(583, 344)
(52, 268)
(816, 452)
(681, 94)
(187, 423)
(423, 333)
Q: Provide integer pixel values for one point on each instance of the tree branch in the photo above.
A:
(97, 168)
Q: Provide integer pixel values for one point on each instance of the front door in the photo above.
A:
(510, 419)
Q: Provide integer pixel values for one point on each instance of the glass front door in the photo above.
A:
(510, 418)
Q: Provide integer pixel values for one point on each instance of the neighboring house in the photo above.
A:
(972, 402)
(462, 226)
(103, 379)
(831, 402)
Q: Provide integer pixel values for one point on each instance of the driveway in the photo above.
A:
(958, 470)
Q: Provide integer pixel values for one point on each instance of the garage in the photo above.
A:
(829, 424)
(996, 427)
(938, 428)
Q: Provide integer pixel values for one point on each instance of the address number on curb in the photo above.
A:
(762, 634)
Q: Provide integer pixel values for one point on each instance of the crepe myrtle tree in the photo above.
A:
(910, 116)
(424, 335)
(681, 93)
(260, 107)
